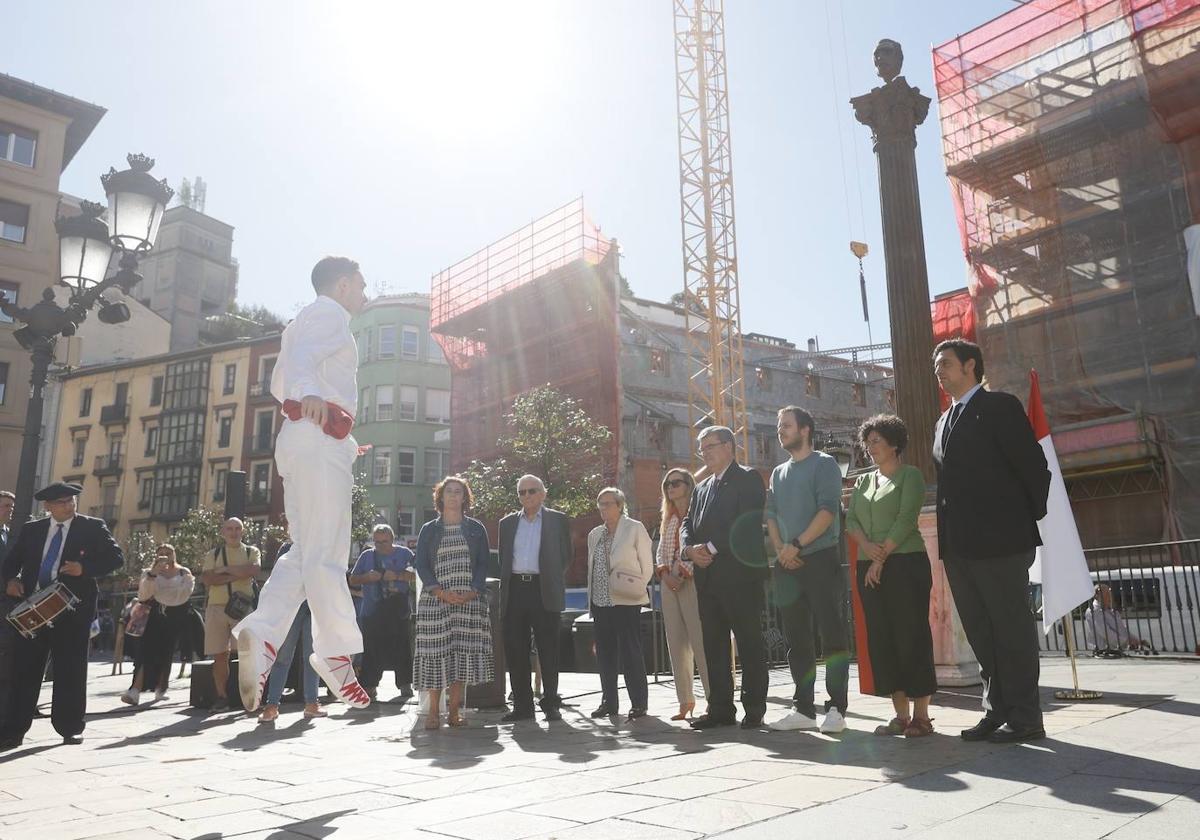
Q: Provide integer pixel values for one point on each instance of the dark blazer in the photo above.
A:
(554, 556)
(993, 480)
(88, 542)
(430, 537)
(730, 516)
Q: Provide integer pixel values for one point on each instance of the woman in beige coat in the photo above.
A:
(620, 564)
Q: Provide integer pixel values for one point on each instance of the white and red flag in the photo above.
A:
(1059, 566)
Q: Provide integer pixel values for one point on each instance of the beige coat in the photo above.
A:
(631, 552)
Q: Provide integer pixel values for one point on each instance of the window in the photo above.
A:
(381, 473)
(220, 479)
(8, 292)
(410, 342)
(151, 441)
(406, 465)
(890, 396)
(265, 369)
(860, 394)
(387, 341)
(364, 347)
(762, 376)
(763, 441)
(434, 351)
(437, 465)
(260, 483)
(437, 406)
(80, 444)
(812, 385)
(660, 362)
(147, 492)
(384, 402)
(224, 431)
(408, 402)
(230, 378)
(175, 490)
(17, 145)
(264, 430)
(404, 523)
(156, 389)
(364, 406)
(85, 402)
(14, 219)
(3, 381)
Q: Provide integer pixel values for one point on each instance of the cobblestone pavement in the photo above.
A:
(1126, 766)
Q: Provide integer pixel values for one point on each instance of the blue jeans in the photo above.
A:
(301, 632)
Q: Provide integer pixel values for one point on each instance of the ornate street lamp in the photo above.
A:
(136, 203)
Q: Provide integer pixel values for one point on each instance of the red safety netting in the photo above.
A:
(1071, 135)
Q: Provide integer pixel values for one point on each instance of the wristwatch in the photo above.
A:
(796, 542)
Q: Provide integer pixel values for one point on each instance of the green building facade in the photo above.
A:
(403, 410)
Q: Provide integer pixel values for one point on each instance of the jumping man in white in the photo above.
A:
(314, 380)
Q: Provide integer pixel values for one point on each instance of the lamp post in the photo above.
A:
(86, 244)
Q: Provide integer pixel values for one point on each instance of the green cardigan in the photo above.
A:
(884, 509)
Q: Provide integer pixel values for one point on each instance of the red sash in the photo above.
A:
(338, 421)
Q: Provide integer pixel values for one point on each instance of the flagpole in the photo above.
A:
(1076, 693)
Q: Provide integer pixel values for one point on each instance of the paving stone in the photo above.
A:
(509, 825)
(617, 829)
(593, 807)
(797, 791)
(709, 816)
(687, 787)
(1004, 821)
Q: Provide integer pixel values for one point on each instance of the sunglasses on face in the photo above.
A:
(675, 482)
(528, 491)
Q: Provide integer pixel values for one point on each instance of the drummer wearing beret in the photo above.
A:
(68, 548)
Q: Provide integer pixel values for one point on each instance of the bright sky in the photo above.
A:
(410, 134)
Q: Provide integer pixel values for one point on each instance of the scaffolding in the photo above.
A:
(1071, 135)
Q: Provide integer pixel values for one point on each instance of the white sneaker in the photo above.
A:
(131, 697)
(833, 723)
(255, 660)
(338, 674)
(793, 720)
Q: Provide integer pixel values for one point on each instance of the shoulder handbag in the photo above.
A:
(139, 615)
(239, 604)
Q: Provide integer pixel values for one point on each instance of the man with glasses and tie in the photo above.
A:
(991, 491)
(76, 550)
(535, 550)
(722, 535)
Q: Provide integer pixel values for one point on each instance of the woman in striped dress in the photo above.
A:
(454, 639)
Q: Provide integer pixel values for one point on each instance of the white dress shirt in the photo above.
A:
(318, 357)
(50, 536)
(527, 545)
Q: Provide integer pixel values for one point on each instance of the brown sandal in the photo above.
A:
(896, 726)
(685, 712)
(919, 728)
(456, 721)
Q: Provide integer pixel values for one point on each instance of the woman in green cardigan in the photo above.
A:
(894, 577)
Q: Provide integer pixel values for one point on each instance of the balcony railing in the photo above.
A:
(260, 389)
(111, 415)
(259, 497)
(107, 465)
(109, 513)
(262, 444)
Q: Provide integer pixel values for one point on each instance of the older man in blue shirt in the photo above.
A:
(384, 573)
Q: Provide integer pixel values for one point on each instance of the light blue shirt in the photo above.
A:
(966, 398)
(527, 545)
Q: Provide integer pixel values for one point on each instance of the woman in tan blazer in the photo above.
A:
(620, 564)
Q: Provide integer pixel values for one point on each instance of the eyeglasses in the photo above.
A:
(675, 482)
(529, 491)
(710, 446)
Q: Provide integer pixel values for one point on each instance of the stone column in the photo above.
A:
(893, 111)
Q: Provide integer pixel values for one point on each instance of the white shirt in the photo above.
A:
(527, 544)
(318, 357)
(966, 398)
(50, 536)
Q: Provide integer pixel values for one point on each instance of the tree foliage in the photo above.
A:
(547, 434)
(250, 321)
(362, 512)
(139, 552)
(200, 530)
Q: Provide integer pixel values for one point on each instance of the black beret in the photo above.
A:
(57, 490)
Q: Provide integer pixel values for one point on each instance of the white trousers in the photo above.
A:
(317, 483)
(685, 639)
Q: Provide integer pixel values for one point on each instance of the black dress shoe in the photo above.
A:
(10, 743)
(752, 722)
(514, 716)
(635, 713)
(603, 710)
(73, 740)
(553, 715)
(710, 722)
(981, 730)
(1016, 736)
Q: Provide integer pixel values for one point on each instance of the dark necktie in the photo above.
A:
(51, 557)
(955, 411)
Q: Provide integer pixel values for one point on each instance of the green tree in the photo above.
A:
(240, 322)
(547, 434)
(139, 552)
(197, 532)
(362, 512)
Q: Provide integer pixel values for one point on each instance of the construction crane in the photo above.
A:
(712, 317)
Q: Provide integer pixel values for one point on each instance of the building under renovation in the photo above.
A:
(1071, 132)
(543, 306)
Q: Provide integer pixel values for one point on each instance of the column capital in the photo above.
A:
(892, 111)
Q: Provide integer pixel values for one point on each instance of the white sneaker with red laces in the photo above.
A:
(338, 674)
(255, 660)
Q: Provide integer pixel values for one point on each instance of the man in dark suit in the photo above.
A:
(722, 535)
(992, 487)
(7, 634)
(76, 550)
(535, 550)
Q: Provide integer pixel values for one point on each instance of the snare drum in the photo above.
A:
(42, 608)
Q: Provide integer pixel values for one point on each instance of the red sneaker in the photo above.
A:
(338, 674)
